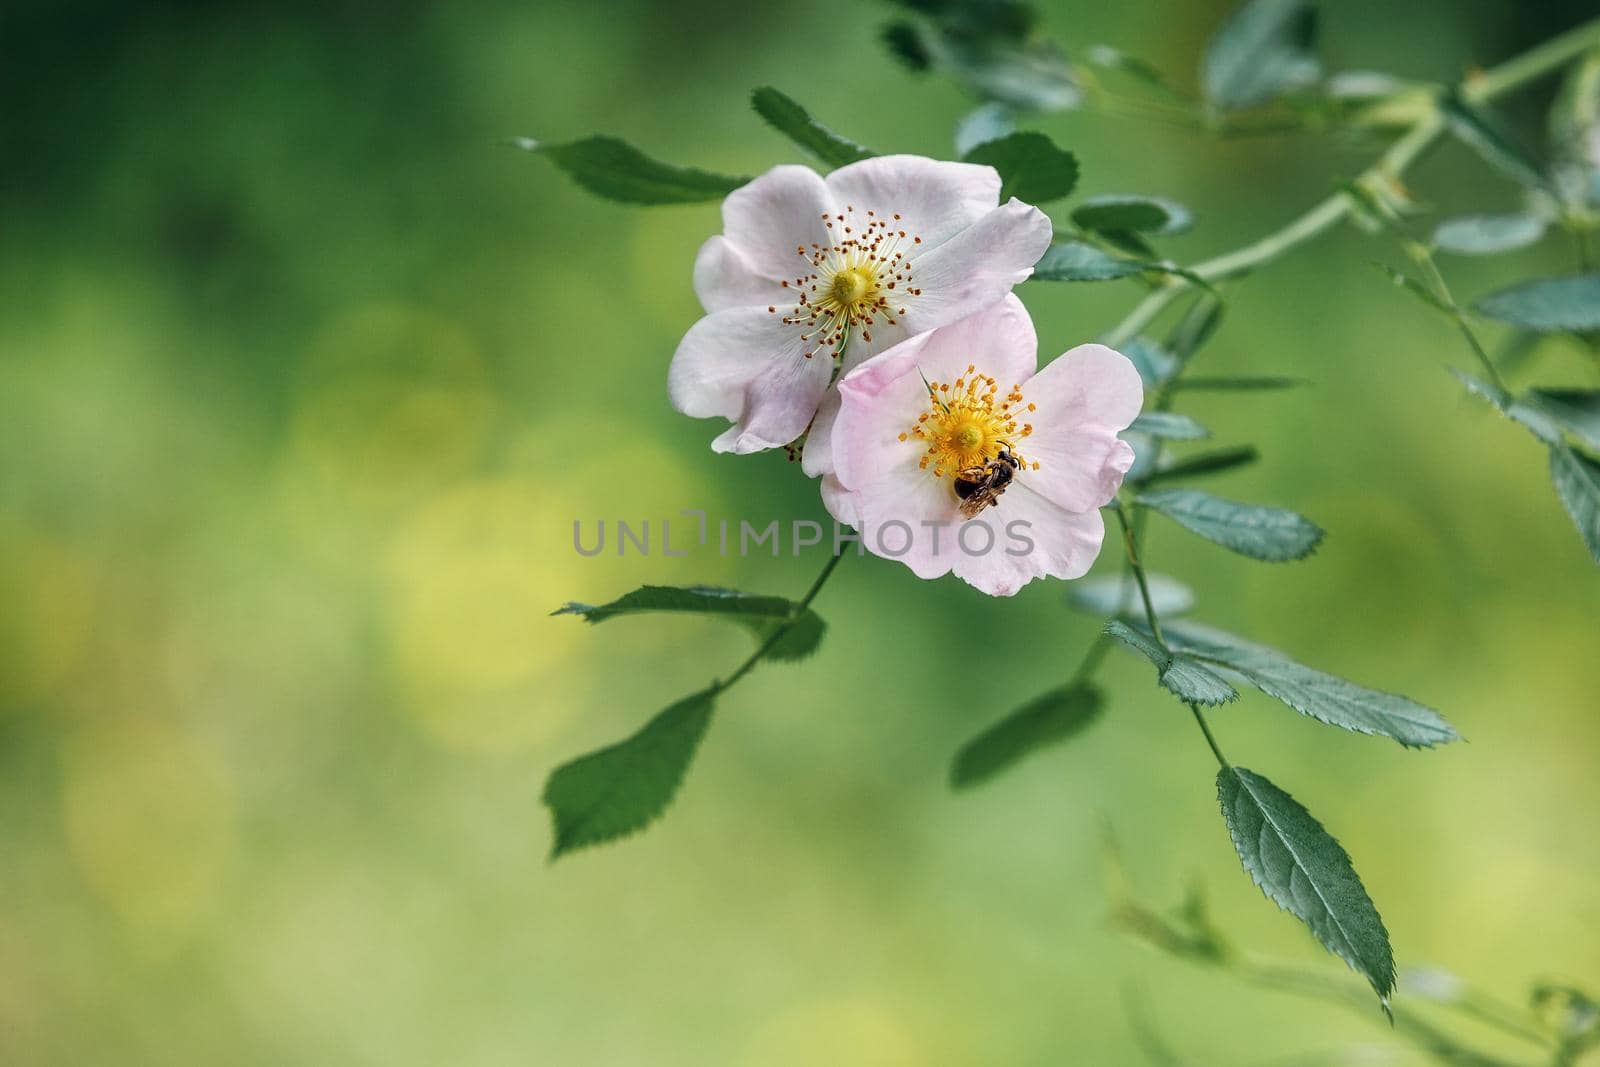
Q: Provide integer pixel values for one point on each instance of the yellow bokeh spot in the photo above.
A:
(840, 1033)
(47, 592)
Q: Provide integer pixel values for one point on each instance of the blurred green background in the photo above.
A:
(305, 378)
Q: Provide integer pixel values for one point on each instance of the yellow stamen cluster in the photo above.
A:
(968, 422)
(853, 282)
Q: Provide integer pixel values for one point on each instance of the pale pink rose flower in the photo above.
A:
(952, 454)
(811, 274)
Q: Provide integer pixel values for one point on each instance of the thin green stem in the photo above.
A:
(1533, 64)
(779, 631)
(1425, 257)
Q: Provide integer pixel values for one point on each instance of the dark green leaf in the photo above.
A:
(761, 614)
(795, 122)
(1577, 479)
(1169, 425)
(1188, 679)
(1485, 235)
(1141, 214)
(1031, 167)
(616, 170)
(1577, 411)
(1262, 51)
(1155, 364)
(988, 122)
(1303, 870)
(1074, 261)
(1201, 463)
(1119, 595)
(908, 44)
(1046, 720)
(1321, 696)
(1270, 534)
(1549, 305)
(618, 790)
(1474, 130)
(1196, 327)
(1235, 385)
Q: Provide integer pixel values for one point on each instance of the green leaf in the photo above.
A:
(1524, 411)
(1155, 364)
(1031, 167)
(1201, 463)
(907, 43)
(1031, 78)
(1047, 719)
(1196, 327)
(1273, 535)
(1313, 693)
(1263, 50)
(1111, 58)
(1169, 425)
(1474, 130)
(1303, 870)
(761, 614)
(1235, 385)
(1074, 261)
(616, 170)
(1577, 479)
(1140, 214)
(1549, 305)
(988, 122)
(1416, 289)
(618, 790)
(1577, 411)
(1486, 235)
(1188, 679)
(795, 122)
(1119, 595)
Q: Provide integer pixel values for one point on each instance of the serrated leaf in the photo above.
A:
(1031, 167)
(761, 614)
(1192, 384)
(1141, 214)
(1487, 235)
(1262, 51)
(1187, 678)
(1119, 595)
(1170, 426)
(1472, 128)
(1047, 719)
(618, 790)
(988, 122)
(1155, 364)
(1548, 305)
(1577, 480)
(795, 122)
(1273, 535)
(1303, 870)
(616, 170)
(1321, 696)
(1531, 416)
(1075, 261)
(1200, 464)
(1577, 411)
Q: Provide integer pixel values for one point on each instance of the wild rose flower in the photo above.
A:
(951, 453)
(814, 274)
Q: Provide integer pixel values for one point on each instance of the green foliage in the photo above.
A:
(1487, 235)
(986, 122)
(1215, 461)
(1076, 261)
(984, 45)
(1235, 385)
(795, 122)
(1473, 128)
(1303, 870)
(761, 614)
(1577, 411)
(1272, 535)
(1138, 214)
(1321, 696)
(1577, 480)
(616, 170)
(1048, 719)
(1119, 595)
(1031, 167)
(1190, 680)
(1548, 305)
(619, 790)
(1405, 281)
(1262, 51)
(1198, 325)
(1170, 426)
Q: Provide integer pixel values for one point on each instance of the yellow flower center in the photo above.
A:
(860, 278)
(968, 422)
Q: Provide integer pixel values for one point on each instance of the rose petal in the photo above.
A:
(934, 199)
(1064, 543)
(1084, 398)
(769, 218)
(724, 278)
(977, 266)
